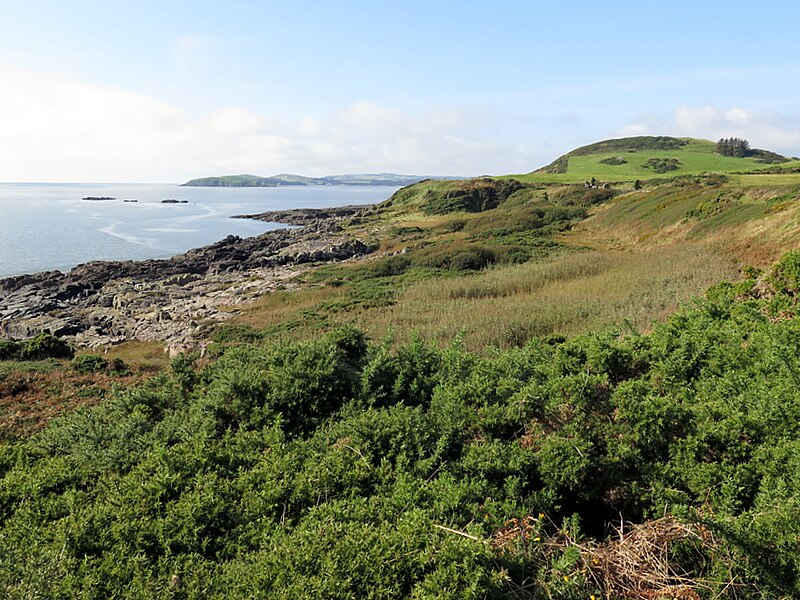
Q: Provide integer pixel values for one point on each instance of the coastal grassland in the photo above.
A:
(752, 218)
(569, 292)
(434, 231)
(564, 295)
(545, 260)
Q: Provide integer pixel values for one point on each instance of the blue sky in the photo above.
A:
(164, 91)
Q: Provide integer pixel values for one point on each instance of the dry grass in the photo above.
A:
(146, 356)
(280, 307)
(567, 294)
(636, 564)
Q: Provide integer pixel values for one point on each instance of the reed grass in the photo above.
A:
(565, 295)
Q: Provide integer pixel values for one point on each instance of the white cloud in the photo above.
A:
(57, 129)
(769, 130)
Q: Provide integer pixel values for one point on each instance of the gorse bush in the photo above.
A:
(340, 468)
(45, 345)
(40, 347)
(662, 165)
(475, 195)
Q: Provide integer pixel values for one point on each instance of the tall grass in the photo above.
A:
(564, 295)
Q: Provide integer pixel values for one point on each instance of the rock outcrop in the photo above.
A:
(177, 299)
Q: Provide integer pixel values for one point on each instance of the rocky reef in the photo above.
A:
(174, 300)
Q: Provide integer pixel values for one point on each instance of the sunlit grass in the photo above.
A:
(631, 263)
(566, 295)
(139, 355)
(285, 306)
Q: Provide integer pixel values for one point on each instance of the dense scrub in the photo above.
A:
(469, 195)
(340, 468)
(42, 346)
(632, 144)
(661, 165)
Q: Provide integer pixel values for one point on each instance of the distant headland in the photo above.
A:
(285, 179)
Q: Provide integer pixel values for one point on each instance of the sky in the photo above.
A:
(110, 91)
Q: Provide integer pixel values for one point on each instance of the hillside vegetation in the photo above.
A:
(553, 385)
(340, 468)
(474, 257)
(627, 159)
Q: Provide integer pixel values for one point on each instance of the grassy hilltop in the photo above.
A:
(600, 400)
(627, 159)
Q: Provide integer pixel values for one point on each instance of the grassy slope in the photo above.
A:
(751, 218)
(696, 157)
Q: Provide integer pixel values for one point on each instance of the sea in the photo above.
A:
(49, 226)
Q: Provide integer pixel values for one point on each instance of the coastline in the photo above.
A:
(175, 300)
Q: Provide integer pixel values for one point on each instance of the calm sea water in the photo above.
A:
(48, 226)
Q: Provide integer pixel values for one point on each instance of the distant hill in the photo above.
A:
(647, 157)
(286, 179)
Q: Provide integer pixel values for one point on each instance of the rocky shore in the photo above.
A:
(175, 300)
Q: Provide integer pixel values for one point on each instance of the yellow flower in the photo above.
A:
(566, 577)
(541, 515)
(591, 597)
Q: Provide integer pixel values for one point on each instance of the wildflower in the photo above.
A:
(566, 577)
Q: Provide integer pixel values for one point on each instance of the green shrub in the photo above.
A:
(10, 350)
(389, 266)
(661, 165)
(338, 468)
(89, 363)
(471, 257)
(46, 345)
(474, 195)
(785, 275)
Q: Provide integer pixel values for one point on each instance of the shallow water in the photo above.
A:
(48, 226)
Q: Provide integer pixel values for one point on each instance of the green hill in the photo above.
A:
(646, 157)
